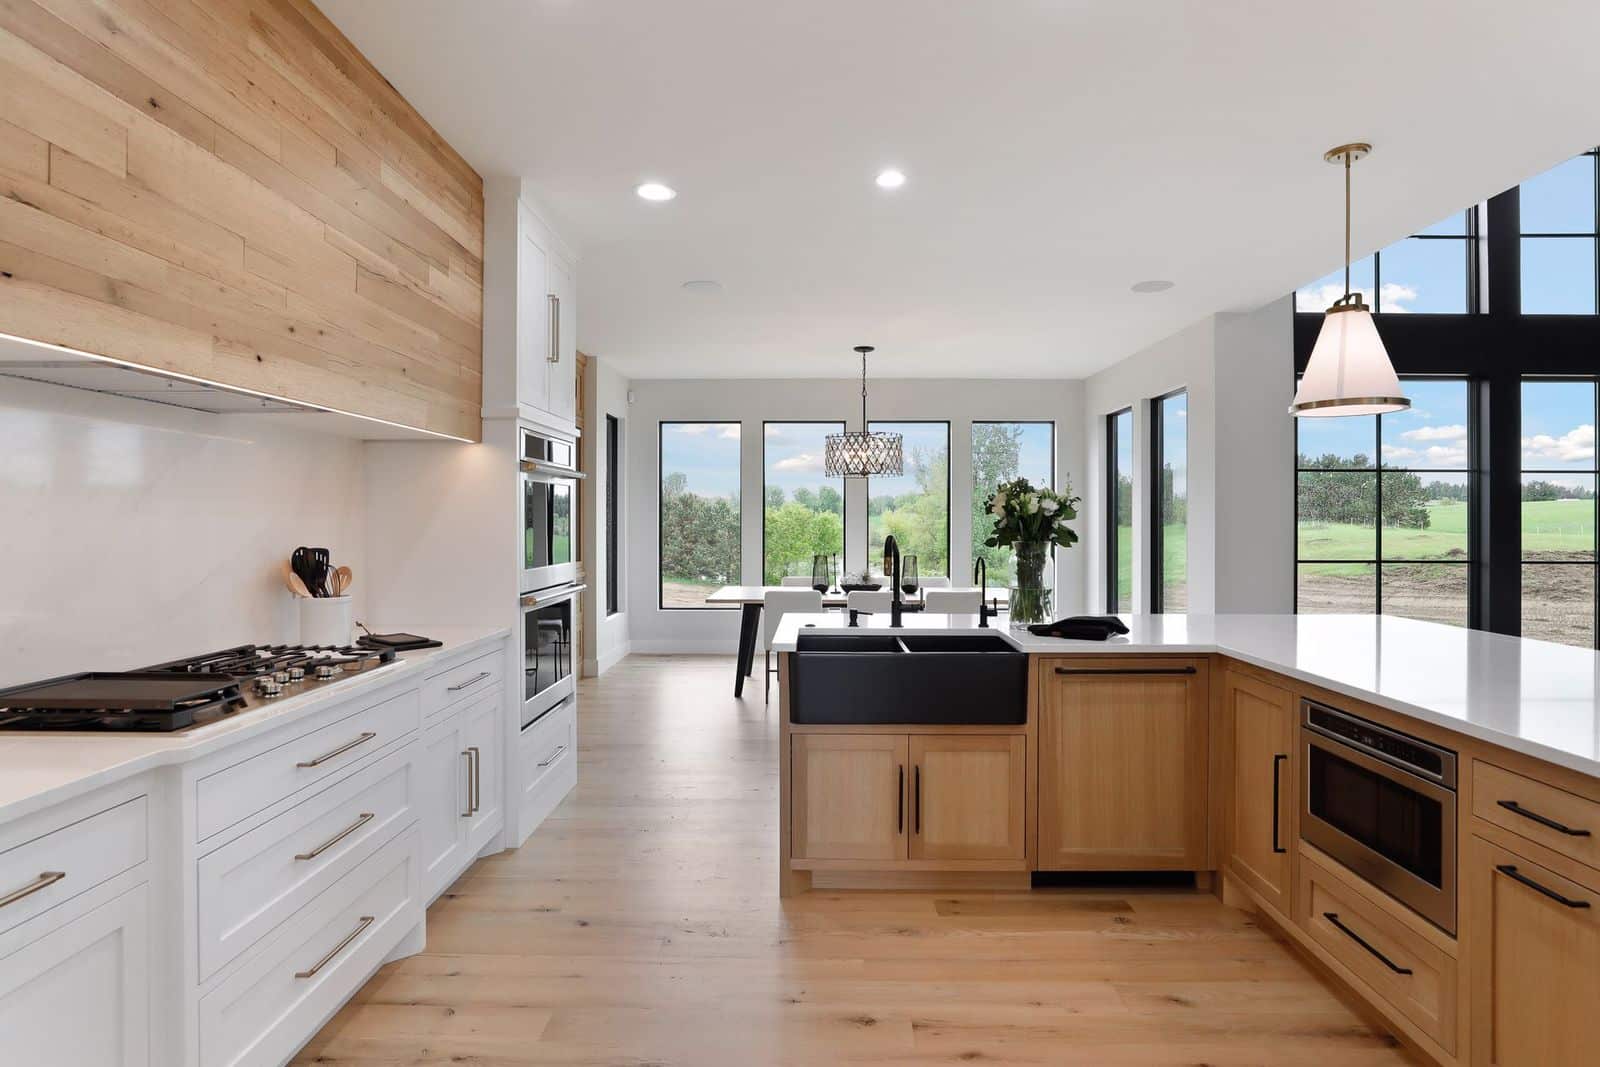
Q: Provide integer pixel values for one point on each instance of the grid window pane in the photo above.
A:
(1557, 517)
(699, 510)
(1336, 588)
(1560, 200)
(1003, 452)
(1450, 226)
(1558, 276)
(1172, 522)
(914, 507)
(1318, 295)
(1432, 592)
(1348, 442)
(1424, 517)
(1425, 276)
(1558, 425)
(1336, 517)
(1432, 433)
(802, 509)
(1121, 501)
(1558, 603)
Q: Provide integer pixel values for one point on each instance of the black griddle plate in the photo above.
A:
(122, 690)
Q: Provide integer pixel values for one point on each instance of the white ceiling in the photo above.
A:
(1057, 152)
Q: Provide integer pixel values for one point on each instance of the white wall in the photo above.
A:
(754, 401)
(605, 638)
(133, 532)
(1236, 368)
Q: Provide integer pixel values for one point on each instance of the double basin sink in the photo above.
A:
(943, 679)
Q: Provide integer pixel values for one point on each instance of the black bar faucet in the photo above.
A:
(891, 556)
(980, 576)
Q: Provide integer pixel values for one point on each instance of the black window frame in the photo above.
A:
(1158, 529)
(844, 507)
(1051, 485)
(1113, 557)
(1591, 235)
(613, 567)
(661, 433)
(949, 494)
(1593, 471)
(1471, 242)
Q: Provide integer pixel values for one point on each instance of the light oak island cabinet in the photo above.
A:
(1262, 822)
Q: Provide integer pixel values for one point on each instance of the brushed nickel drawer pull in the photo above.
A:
(555, 329)
(366, 921)
(341, 750)
(474, 680)
(467, 755)
(1517, 809)
(477, 778)
(553, 756)
(364, 818)
(44, 881)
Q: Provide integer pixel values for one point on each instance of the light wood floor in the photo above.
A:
(641, 925)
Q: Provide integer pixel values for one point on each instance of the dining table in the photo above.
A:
(750, 598)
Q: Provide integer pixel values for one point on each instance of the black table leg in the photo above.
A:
(749, 628)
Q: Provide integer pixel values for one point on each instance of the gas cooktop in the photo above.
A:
(184, 693)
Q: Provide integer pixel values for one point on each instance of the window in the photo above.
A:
(1431, 272)
(1559, 246)
(1558, 511)
(1119, 512)
(613, 518)
(1169, 480)
(1382, 509)
(699, 510)
(914, 507)
(1003, 452)
(803, 510)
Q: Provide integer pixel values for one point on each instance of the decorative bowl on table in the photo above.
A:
(861, 587)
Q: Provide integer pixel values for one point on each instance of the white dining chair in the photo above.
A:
(870, 600)
(796, 581)
(776, 604)
(953, 601)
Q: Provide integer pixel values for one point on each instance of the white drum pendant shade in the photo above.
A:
(1349, 372)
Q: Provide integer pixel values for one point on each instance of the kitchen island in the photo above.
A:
(1404, 801)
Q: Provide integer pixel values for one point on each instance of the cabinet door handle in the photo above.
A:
(466, 754)
(1277, 764)
(477, 778)
(44, 881)
(555, 330)
(341, 750)
(1125, 670)
(361, 821)
(918, 816)
(366, 921)
(474, 680)
(900, 802)
(1358, 939)
(553, 756)
(1517, 809)
(1516, 876)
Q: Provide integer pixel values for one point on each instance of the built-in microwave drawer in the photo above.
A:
(267, 1008)
(1560, 821)
(37, 875)
(548, 743)
(464, 680)
(248, 886)
(237, 792)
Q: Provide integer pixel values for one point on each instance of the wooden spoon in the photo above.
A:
(292, 580)
(342, 577)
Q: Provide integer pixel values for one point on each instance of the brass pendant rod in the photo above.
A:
(1347, 226)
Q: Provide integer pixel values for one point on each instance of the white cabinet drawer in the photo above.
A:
(548, 744)
(233, 793)
(39, 874)
(275, 1002)
(254, 882)
(464, 680)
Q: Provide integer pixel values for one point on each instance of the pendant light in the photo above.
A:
(1349, 372)
(863, 454)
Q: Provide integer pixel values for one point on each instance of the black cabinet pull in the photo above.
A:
(918, 809)
(1277, 762)
(1125, 670)
(1516, 876)
(1517, 809)
(900, 802)
(1333, 917)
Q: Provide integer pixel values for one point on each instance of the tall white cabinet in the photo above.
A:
(546, 323)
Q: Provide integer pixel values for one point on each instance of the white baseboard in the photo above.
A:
(594, 668)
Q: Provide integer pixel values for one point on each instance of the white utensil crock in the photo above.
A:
(326, 620)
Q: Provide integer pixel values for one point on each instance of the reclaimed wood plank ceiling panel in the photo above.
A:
(228, 189)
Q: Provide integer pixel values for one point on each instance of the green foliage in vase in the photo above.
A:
(1023, 513)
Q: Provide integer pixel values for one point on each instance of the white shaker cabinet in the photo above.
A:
(535, 332)
(562, 381)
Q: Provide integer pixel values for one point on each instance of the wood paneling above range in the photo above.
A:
(229, 190)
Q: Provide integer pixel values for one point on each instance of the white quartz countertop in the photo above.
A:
(1533, 697)
(41, 769)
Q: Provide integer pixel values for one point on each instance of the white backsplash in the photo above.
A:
(132, 532)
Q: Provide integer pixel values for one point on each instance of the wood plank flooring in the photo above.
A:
(641, 925)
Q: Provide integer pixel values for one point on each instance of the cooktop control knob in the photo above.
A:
(268, 687)
(281, 677)
(296, 673)
(327, 671)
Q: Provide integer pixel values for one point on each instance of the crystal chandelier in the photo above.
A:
(863, 453)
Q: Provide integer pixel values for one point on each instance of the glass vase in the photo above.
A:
(1032, 590)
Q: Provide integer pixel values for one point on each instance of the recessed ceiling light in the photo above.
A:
(656, 191)
(890, 179)
(703, 286)
(1154, 285)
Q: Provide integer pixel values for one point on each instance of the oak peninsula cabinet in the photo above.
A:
(1262, 826)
